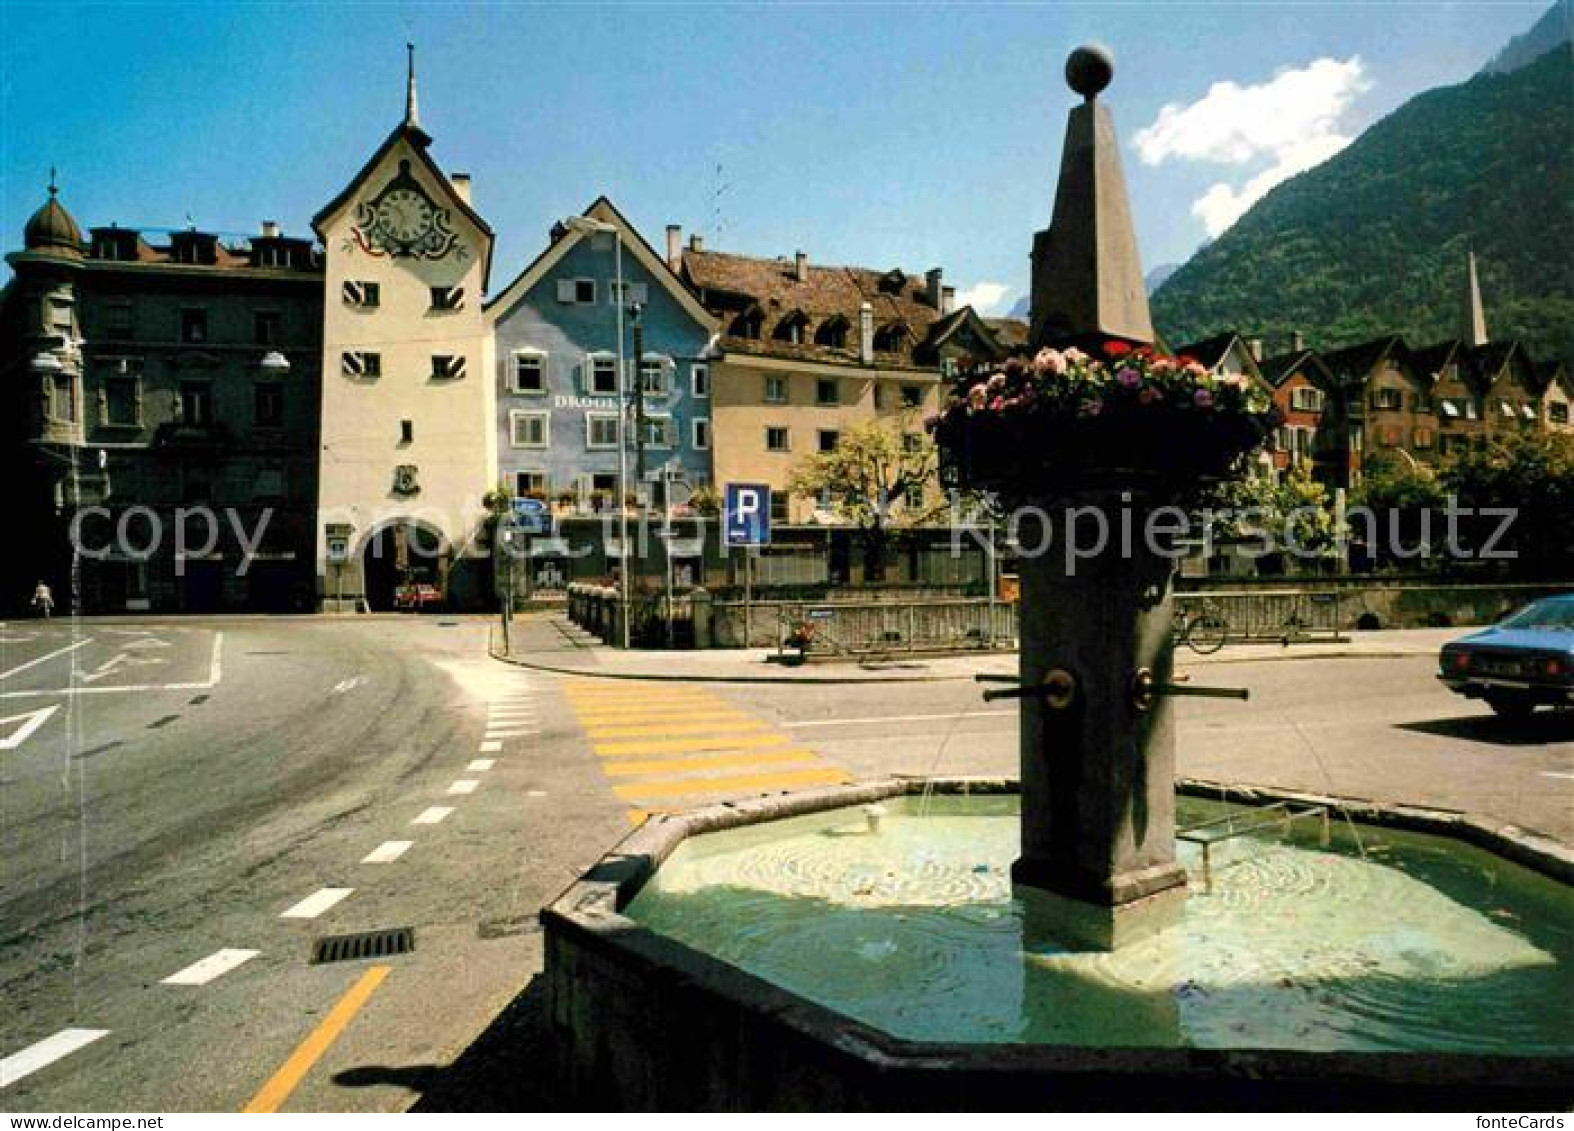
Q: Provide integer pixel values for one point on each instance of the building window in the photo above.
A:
(362, 294)
(269, 483)
(1423, 439)
(407, 431)
(448, 298)
(447, 367)
(749, 324)
(196, 402)
(912, 396)
(701, 435)
(604, 376)
(123, 401)
(1388, 399)
(361, 363)
(914, 496)
(581, 292)
(530, 373)
(530, 484)
(826, 393)
(1306, 399)
(832, 332)
(529, 429)
(193, 325)
(829, 439)
(776, 390)
(660, 432)
(601, 430)
(653, 376)
(779, 501)
(62, 398)
(604, 483)
(699, 380)
(888, 339)
(269, 405)
(776, 440)
(790, 329)
(632, 292)
(912, 443)
(117, 320)
(265, 327)
(1558, 412)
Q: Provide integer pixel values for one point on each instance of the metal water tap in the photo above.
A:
(1057, 689)
(1145, 689)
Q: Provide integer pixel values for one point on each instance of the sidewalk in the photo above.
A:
(546, 641)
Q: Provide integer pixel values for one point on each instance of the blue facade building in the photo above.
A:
(555, 330)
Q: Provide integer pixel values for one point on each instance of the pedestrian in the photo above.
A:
(43, 600)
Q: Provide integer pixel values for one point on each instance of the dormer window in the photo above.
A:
(195, 249)
(889, 338)
(832, 332)
(791, 328)
(749, 324)
(892, 282)
(117, 244)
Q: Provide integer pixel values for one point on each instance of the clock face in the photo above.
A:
(404, 222)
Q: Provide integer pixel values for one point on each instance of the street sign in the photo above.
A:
(338, 549)
(530, 516)
(748, 514)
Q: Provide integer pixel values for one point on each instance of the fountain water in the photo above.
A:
(859, 947)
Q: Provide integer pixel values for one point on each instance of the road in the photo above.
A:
(203, 801)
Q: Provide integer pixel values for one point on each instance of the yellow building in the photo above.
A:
(408, 443)
(806, 352)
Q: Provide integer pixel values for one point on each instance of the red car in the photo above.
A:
(417, 596)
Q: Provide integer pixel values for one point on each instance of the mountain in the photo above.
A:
(1160, 275)
(1555, 29)
(1374, 239)
(1022, 309)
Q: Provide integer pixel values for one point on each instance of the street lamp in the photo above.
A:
(274, 363)
(586, 225)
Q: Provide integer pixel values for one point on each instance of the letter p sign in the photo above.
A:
(748, 514)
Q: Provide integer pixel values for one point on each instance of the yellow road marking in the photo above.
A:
(278, 1089)
(724, 761)
(638, 817)
(638, 695)
(683, 745)
(592, 716)
(653, 729)
(640, 791)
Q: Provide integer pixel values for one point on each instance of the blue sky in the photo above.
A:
(908, 135)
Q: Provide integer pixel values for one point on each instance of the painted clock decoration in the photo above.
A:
(404, 222)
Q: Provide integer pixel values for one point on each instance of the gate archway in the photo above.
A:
(403, 551)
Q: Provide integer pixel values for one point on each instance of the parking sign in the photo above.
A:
(748, 514)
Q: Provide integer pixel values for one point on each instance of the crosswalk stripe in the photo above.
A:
(644, 791)
(669, 745)
(45, 1053)
(653, 729)
(205, 970)
(714, 762)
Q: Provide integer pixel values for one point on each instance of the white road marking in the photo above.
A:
(1544, 773)
(215, 676)
(19, 639)
(350, 684)
(492, 747)
(216, 666)
(202, 972)
(496, 734)
(33, 664)
(894, 719)
(464, 785)
(108, 666)
(45, 1053)
(30, 723)
(316, 903)
(495, 712)
(480, 765)
(387, 852)
(148, 642)
(433, 815)
(535, 793)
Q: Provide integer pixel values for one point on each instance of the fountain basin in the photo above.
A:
(793, 953)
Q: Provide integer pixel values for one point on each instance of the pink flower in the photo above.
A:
(1129, 378)
(1163, 367)
(1049, 361)
(1195, 369)
(996, 383)
(1074, 355)
(975, 397)
(1203, 397)
(997, 404)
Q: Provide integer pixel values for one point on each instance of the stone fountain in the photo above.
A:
(984, 944)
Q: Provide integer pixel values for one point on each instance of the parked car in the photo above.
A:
(1519, 664)
(417, 596)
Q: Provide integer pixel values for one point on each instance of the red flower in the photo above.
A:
(1186, 359)
(1116, 349)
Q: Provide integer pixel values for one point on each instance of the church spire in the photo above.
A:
(412, 115)
(1475, 327)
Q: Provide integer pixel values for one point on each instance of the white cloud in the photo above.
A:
(1292, 121)
(982, 297)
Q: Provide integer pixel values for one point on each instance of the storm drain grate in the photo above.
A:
(363, 944)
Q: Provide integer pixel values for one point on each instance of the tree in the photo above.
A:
(1390, 510)
(871, 479)
(1291, 512)
(1529, 475)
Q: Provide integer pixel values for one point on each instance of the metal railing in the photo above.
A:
(1280, 615)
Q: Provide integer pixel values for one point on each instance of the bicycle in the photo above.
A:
(1204, 629)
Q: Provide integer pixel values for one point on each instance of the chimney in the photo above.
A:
(947, 300)
(800, 267)
(675, 246)
(1297, 341)
(270, 229)
(461, 183)
(1254, 347)
(935, 291)
(696, 242)
(866, 334)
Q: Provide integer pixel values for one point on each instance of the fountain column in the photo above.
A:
(1098, 765)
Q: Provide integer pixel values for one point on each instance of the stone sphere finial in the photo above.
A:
(1089, 69)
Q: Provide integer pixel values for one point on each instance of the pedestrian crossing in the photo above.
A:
(667, 747)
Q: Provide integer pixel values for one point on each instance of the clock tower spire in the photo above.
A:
(412, 116)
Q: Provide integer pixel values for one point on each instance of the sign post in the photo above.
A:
(746, 522)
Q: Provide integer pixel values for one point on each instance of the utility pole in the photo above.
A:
(635, 310)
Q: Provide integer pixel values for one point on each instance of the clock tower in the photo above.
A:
(408, 435)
